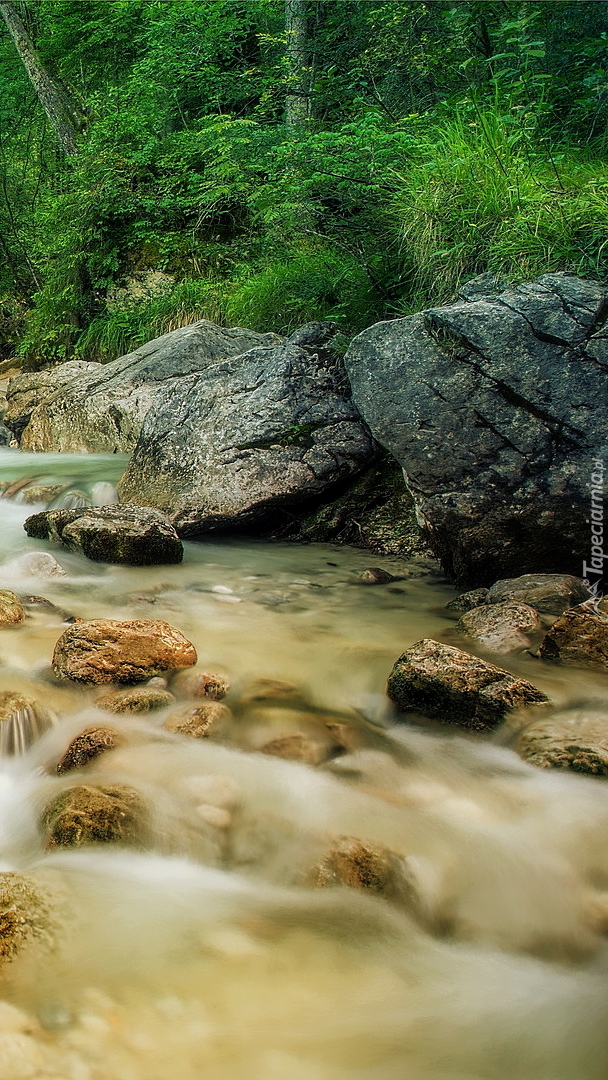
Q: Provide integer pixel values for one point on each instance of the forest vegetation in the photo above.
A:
(267, 162)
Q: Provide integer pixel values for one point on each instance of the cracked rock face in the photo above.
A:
(257, 432)
(495, 408)
(81, 406)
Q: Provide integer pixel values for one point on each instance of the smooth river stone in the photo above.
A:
(105, 651)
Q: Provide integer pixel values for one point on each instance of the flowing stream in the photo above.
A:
(209, 950)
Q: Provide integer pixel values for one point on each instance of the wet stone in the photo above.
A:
(88, 745)
(270, 691)
(448, 684)
(140, 699)
(39, 564)
(468, 600)
(133, 535)
(94, 815)
(575, 739)
(200, 721)
(295, 747)
(360, 866)
(205, 684)
(375, 575)
(549, 594)
(579, 636)
(105, 651)
(501, 628)
(12, 612)
(27, 915)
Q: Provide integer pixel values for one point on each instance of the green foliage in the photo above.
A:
(478, 198)
(317, 283)
(448, 139)
(135, 321)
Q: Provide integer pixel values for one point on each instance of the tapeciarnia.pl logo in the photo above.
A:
(593, 571)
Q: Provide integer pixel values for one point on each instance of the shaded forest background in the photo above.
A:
(263, 163)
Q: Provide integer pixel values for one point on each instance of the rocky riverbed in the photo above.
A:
(249, 859)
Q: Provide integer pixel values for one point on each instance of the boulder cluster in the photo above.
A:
(491, 405)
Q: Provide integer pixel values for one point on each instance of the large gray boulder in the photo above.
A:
(81, 406)
(267, 429)
(495, 408)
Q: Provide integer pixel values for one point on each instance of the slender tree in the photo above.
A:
(298, 109)
(64, 113)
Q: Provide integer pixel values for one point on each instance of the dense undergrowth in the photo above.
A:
(445, 140)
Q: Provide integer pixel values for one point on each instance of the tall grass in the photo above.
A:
(133, 322)
(309, 284)
(480, 196)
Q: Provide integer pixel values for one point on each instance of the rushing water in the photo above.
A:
(208, 953)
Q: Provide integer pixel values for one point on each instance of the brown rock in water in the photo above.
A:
(550, 594)
(445, 683)
(579, 636)
(104, 651)
(375, 575)
(198, 722)
(572, 739)
(500, 628)
(272, 690)
(11, 609)
(360, 866)
(94, 815)
(140, 699)
(296, 747)
(86, 746)
(205, 684)
(27, 915)
(133, 535)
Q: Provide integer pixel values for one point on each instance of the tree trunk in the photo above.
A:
(64, 114)
(298, 109)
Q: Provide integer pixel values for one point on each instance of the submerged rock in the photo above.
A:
(501, 628)
(375, 575)
(38, 564)
(579, 636)
(93, 815)
(28, 915)
(268, 429)
(493, 406)
(572, 739)
(550, 594)
(205, 684)
(11, 609)
(88, 745)
(447, 684)
(360, 866)
(131, 535)
(198, 721)
(105, 651)
(141, 699)
(295, 746)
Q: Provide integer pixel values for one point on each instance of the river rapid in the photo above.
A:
(208, 952)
